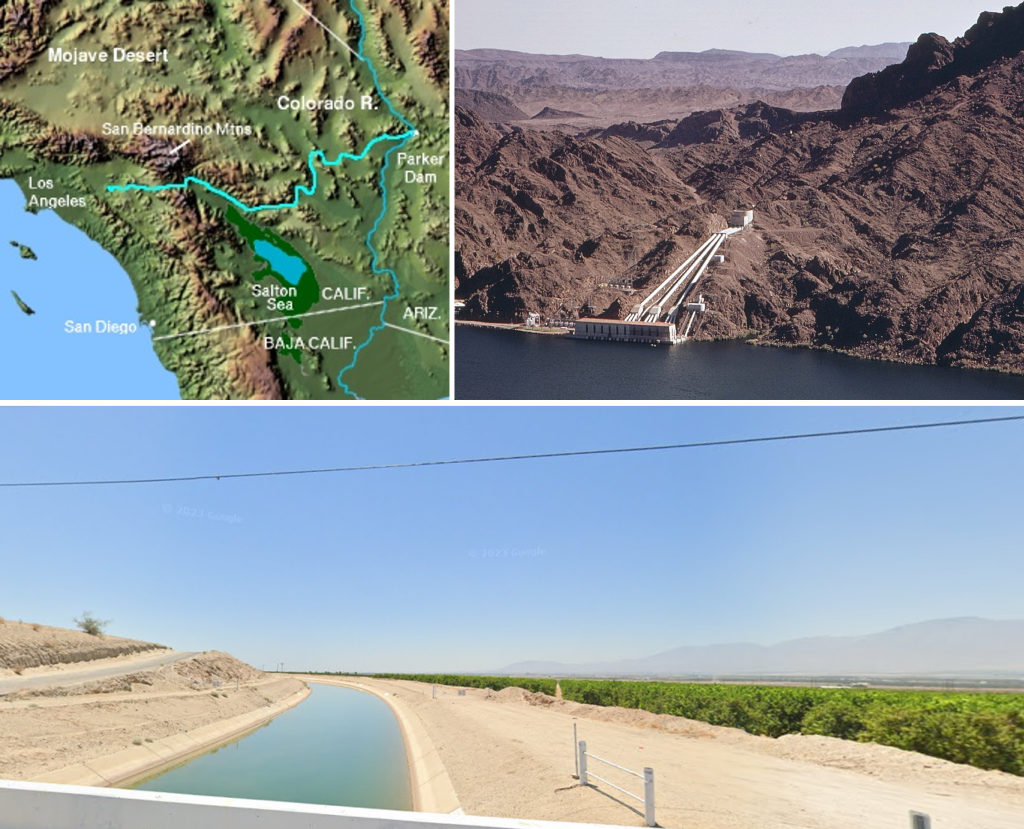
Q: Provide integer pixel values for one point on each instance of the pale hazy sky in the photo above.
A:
(475, 567)
(642, 28)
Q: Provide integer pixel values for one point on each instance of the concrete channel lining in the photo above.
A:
(140, 761)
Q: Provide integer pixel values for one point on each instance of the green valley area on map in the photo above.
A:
(273, 176)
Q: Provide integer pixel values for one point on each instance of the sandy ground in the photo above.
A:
(511, 756)
(43, 730)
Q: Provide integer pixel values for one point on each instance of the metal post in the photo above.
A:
(583, 762)
(649, 797)
(575, 752)
(920, 821)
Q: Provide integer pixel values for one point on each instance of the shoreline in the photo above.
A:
(516, 326)
(756, 339)
(134, 371)
(758, 342)
(432, 789)
(151, 759)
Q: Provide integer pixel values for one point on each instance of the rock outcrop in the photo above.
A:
(489, 105)
(753, 121)
(933, 61)
(549, 113)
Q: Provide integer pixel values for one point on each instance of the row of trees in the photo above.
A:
(983, 730)
(495, 683)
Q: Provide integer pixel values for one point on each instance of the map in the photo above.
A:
(271, 175)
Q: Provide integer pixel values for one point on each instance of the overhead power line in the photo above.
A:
(582, 453)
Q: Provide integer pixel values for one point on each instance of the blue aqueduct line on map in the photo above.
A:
(301, 190)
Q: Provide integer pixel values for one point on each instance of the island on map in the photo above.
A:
(21, 304)
(273, 176)
(24, 250)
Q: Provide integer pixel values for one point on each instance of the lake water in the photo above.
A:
(290, 268)
(341, 747)
(492, 364)
(73, 280)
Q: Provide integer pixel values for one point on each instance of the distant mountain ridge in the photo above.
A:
(943, 647)
(896, 51)
(494, 69)
(489, 105)
(717, 56)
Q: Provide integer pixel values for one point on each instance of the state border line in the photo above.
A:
(262, 322)
(417, 333)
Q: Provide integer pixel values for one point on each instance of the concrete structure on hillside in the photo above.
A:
(742, 217)
(627, 332)
(668, 312)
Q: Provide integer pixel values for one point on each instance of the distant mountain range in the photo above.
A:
(946, 647)
(496, 69)
(489, 105)
(893, 51)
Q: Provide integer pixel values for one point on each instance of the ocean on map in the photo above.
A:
(73, 279)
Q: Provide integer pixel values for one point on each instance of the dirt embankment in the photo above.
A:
(24, 645)
(510, 755)
(882, 762)
(113, 728)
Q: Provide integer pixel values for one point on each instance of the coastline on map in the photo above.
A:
(73, 281)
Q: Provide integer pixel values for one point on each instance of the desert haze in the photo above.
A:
(946, 647)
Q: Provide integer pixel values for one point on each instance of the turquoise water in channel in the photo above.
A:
(290, 268)
(73, 280)
(340, 747)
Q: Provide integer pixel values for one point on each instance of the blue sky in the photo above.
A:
(642, 28)
(475, 567)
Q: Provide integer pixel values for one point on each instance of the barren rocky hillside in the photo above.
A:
(890, 232)
(605, 107)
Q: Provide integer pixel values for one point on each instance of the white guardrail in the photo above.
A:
(647, 777)
(50, 806)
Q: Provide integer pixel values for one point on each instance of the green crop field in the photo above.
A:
(495, 683)
(982, 730)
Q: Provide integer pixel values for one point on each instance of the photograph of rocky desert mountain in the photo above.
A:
(743, 618)
(678, 201)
